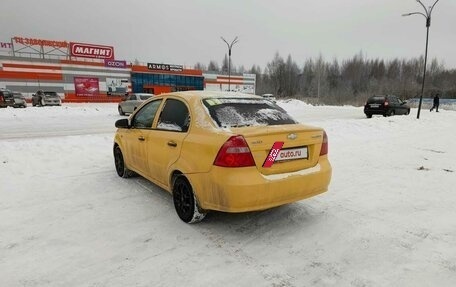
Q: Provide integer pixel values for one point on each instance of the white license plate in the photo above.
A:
(292, 153)
(374, 105)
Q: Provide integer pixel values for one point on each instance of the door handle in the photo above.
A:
(141, 138)
(172, 143)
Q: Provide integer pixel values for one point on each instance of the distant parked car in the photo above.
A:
(19, 100)
(6, 98)
(131, 102)
(46, 98)
(386, 105)
(270, 97)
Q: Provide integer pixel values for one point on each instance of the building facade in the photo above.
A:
(164, 78)
(81, 72)
(244, 83)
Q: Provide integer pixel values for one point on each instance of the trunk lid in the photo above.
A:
(300, 150)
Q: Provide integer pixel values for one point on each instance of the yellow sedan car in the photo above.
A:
(222, 151)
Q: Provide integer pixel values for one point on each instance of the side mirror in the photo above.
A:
(122, 124)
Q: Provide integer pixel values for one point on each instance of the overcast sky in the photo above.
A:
(188, 31)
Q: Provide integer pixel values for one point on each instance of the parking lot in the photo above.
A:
(67, 219)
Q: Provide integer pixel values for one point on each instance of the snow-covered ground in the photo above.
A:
(67, 219)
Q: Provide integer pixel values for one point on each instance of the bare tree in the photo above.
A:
(213, 66)
(200, 66)
(276, 73)
(225, 65)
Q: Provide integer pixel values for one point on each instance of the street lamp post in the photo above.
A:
(426, 15)
(230, 46)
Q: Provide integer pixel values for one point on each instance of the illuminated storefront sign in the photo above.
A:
(165, 67)
(40, 42)
(115, 63)
(86, 86)
(91, 51)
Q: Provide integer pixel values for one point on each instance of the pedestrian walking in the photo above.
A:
(436, 103)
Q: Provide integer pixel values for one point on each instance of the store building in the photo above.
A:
(244, 83)
(81, 72)
(74, 81)
(78, 72)
(164, 78)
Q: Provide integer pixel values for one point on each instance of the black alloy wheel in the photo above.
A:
(119, 162)
(185, 202)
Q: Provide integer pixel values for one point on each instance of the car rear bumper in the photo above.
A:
(52, 103)
(245, 189)
(5, 104)
(375, 111)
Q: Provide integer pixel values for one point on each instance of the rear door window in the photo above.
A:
(144, 97)
(395, 100)
(238, 112)
(376, 100)
(174, 116)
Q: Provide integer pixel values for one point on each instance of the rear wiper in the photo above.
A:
(236, 126)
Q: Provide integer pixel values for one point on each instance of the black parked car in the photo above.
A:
(386, 105)
(6, 98)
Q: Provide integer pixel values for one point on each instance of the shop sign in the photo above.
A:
(5, 45)
(165, 67)
(40, 42)
(91, 51)
(85, 86)
(115, 63)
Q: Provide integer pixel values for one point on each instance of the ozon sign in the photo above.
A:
(91, 51)
(115, 63)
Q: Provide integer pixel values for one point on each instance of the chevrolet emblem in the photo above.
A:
(292, 136)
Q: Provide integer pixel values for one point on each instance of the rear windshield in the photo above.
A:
(144, 97)
(7, 94)
(376, 99)
(239, 112)
(50, 93)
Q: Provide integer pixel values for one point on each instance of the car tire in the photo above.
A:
(119, 163)
(392, 113)
(368, 116)
(121, 112)
(407, 112)
(185, 201)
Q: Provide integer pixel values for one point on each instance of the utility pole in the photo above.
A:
(230, 46)
(426, 15)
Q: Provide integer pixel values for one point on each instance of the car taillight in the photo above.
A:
(234, 153)
(324, 145)
(386, 103)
